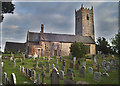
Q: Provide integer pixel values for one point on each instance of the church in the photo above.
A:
(51, 44)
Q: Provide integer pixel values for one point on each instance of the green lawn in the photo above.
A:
(29, 63)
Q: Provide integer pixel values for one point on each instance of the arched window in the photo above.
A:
(87, 17)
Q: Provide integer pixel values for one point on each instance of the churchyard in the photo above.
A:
(98, 69)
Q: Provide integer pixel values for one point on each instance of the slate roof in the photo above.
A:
(61, 38)
(13, 46)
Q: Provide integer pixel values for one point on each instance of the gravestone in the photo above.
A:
(55, 77)
(71, 64)
(104, 63)
(61, 74)
(53, 66)
(33, 75)
(84, 64)
(56, 61)
(77, 66)
(43, 77)
(97, 76)
(22, 69)
(42, 68)
(69, 74)
(5, 78)
(26, 71)
(57, 67)
(95, 68)
(14, 63)
(13, 79)
(38, 78)
(29, 73)
(60, 59)
(63, 68)
(82, 71)
(79, 62)
(90, 70)
(11, 58)
(108, 67)
(64, 63)
(48, 67)
(74, 59)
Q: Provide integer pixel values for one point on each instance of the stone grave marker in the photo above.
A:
(13, 79)
(22, 69)
(79, 62)
(82, 71)
(90, 70)
(29, 73)
(104, 63)
(61, 74)
(26, 71)
(14, 63)
(53, 66)
(56, 61)
(19, 68)
(48, 67)
(57, 67)
(63, 68)
(38, 78)
(97, 76)
(84, 64)
(5, 78)
(42, 68)
(33, 75)
(55, 77)
(43, 77)
(71, 64)
(64, 63)
(60, 59)
(77, 66)
(69, 74)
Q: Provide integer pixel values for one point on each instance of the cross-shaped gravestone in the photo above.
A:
(43, 77)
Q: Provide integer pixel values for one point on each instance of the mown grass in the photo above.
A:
(29, 63)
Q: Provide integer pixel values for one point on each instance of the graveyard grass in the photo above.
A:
(29, 63)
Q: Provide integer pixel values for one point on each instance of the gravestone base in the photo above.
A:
(81, 82)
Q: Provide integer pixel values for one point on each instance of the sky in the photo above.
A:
(57, 17)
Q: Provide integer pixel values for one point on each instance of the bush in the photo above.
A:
(78, 50)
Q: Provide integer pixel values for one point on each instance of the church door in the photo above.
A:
(55, 52)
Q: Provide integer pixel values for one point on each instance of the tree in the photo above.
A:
(7, 7)
(78, 50)
(103, 45)
(116, 43)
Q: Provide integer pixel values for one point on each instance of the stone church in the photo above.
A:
(52, 44)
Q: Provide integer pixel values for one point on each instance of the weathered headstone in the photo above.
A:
(90, 70)
(14, 63)
(53, 66)
(19, 68)
(60, 59)
(56, 61)
(97, 76)
(43, 77)
(48, 67)
(42, 68)
(82, 71)
(22, 69)
(13, 79)
(57, 67)
(38, 78)
(26, 71)
(69, 74)
(55, 77)
(33, 75)
(61, 74)
(71, 64)
(104, 63)
(63, 68)
(79, 62)
(5, 78)
(29, 73)
(84, 64)
(77, 66)
(64, 63)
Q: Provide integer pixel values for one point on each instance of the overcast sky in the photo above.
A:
(57, 17)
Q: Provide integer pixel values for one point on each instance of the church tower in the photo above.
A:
(84, 22)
